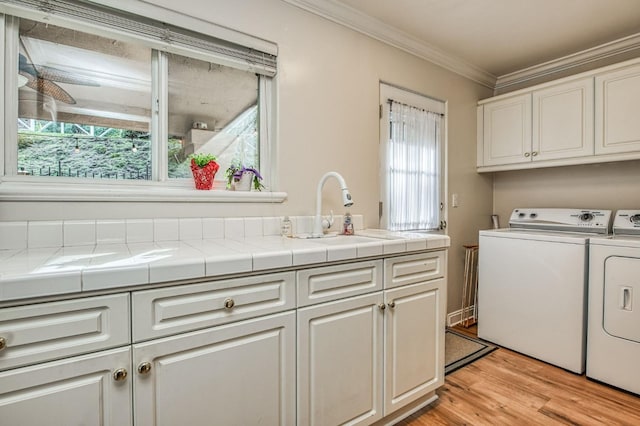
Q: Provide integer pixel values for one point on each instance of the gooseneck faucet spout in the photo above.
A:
(346, 200)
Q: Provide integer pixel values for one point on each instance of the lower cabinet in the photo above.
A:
(91, 389)
(237, 374)
(360, 346)
(340, 350)
(414, 342)
(363, 358)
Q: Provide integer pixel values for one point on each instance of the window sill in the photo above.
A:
(150, 192)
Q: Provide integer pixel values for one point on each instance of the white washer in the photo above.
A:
(613, 342)
(532, 283)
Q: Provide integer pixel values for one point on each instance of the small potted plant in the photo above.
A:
(204, 168)
(243, 178)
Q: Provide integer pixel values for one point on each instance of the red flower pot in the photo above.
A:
(203, 176)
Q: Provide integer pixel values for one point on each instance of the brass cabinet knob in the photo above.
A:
(534, 153)
(526, 154)
(3, 343)
(120, 374)
(144, 368)
(392, 304)
(229, 303)
(382, 306)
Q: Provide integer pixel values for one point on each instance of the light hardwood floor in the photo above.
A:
(507, 388)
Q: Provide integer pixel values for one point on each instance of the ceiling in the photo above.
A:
(497, 37)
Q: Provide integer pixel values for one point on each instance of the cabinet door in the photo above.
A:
(236, 374)
(617, 111)
(75, 391)
(507, 131)
(414, 342)
(340, 362)
(563, 121)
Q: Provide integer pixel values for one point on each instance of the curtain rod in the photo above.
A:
(421, 109)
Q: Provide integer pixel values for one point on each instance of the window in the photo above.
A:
(95, 93)
(412, 147)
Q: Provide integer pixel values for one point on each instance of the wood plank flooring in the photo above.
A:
(507, 388)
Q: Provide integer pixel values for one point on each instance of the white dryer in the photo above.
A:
(532, 283)
(613, 337)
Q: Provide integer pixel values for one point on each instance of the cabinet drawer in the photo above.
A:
(162, 312)
(336, 282)
(414, 269)
(53, 330)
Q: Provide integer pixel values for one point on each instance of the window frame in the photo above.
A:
(14, 187)
(387, 92)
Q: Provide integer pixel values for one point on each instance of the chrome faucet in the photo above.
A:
(318, 222)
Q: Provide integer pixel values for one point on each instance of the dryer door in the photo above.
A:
(622, 297)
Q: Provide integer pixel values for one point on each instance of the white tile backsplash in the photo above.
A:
(234, 228)
(253, 227)
(191, 229)
(13, 235)
(271, 225)
(166, 230)
(45, 234)
(111, 232)
(42, 234)
(79, 232)
(212, 228)
(139, 230)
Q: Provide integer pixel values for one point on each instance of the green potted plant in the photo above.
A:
(204, 168)
(243, 178)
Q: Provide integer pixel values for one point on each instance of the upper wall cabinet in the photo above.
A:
(506, 130)
(563, 121)
(547, 124)
(588, 118)
(618, 111)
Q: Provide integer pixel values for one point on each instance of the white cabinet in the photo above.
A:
(340, 355)
(551, 123)
(91, 389)
(48, 331)
(414, 342)
(343, 377)
(237, 374)
(563, 121)
(617, 123)
(506, 130)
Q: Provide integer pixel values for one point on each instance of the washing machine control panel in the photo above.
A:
(626, 222)
(571, 220)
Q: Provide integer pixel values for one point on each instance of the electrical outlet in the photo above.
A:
(454, 200)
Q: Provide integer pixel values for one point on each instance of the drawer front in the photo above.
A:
(48, 331)
(167, 311)
(336, 282)
(414, 269)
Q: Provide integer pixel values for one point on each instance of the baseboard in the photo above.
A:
(455, 317)
(408, 410)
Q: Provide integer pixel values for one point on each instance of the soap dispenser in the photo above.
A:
(347, 225)
(285, 227)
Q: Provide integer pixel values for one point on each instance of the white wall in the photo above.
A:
(328, 91)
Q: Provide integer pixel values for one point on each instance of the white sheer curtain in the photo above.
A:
(413, 176)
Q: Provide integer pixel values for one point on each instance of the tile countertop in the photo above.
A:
(39, 272)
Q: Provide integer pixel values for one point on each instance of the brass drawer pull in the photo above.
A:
(120, 374)
(229, 303)
(144, 368)
(3, 343)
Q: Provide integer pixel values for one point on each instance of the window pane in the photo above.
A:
(84, 105)
(413, 174)
(212, 109)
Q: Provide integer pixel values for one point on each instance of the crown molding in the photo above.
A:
(365, 24)
(344, 15)
(584, 57)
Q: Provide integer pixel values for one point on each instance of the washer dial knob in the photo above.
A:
(586, 217)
